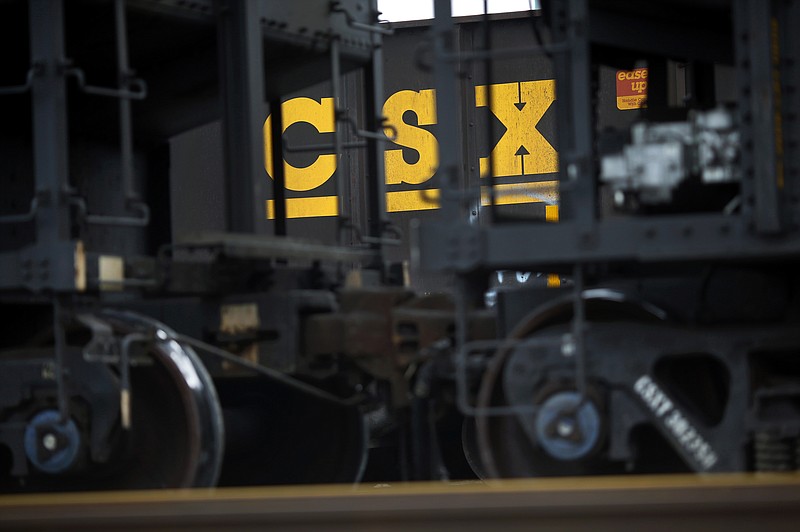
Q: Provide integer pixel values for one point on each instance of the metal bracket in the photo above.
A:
(34, 71)
(128, 221)
(24, 217)
(341, 116)
(125, 375)
(319, 147)
(336, 7)
(138, 84)
(105, 348)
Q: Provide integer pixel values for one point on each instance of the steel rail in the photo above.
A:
(652, 503)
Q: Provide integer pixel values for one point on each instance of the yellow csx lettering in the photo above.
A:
(522, 150)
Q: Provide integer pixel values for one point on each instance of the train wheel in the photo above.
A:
(547, 446)
(175, 438)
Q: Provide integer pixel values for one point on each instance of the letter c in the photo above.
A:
(318, 114)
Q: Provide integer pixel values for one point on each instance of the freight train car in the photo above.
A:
(91, 94)
(255, 243)
(675, 348)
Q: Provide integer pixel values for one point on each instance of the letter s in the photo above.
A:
(422, 104)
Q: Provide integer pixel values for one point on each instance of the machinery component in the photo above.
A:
(773, 453)
(664, 156)
(51, 444)
(568, 427)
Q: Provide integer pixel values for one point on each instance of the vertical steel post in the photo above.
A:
(759, 72)
(51, 168)
(488, 63)
(278, 170)
(447, 101)
(578, 327)
(60, 348)
(340, 178)
(50, 136)
(123, 73)
(574, 118)
(242, 91)
(376, 180)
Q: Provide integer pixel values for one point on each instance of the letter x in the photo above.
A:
(522, 150)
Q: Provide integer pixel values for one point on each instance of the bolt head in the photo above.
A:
(572, 171)
(565, 427)
(49, 441)
(568, 347)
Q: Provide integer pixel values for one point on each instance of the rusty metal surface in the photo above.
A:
(727, 502)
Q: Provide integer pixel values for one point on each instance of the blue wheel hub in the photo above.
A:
(51, 444)
(566, 428)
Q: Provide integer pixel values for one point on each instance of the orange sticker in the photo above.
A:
(631, 88)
